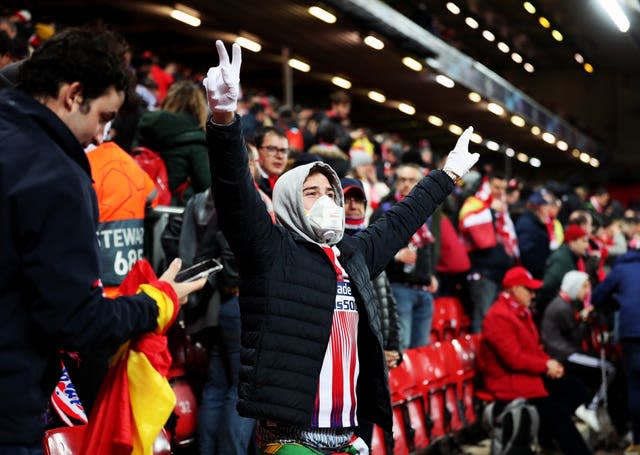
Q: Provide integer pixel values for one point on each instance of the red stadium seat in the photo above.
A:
(378, 443)
(404, 386)
(466, 352)
(448, 315)
(433, 392)
(400, 437)
(452, 385)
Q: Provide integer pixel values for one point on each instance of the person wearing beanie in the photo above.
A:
(564, 325)
(513, 364)
(569, 256)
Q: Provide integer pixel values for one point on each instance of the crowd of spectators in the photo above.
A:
(491, 223)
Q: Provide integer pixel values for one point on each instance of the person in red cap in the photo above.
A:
(570, 256)
(513, 363)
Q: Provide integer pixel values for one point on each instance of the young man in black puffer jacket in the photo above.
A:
(312, 354)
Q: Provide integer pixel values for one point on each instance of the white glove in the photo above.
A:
(223, 81)
(460, 160)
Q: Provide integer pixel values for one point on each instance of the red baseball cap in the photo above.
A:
(519, 276)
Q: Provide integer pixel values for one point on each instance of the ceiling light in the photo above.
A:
(187, 15)
(584, 157)
(588, 67)
(299, 65)
(548, 138)
(509, 152)
(435, 120)
(341, 82)
(544, 22)
(503, 47)
(518, 121)
(535, 130)
(406, 108)
(495, 108)
(471, 22)
(412, 63)
(528, 67)
(529, 7)
(322, 14)
(562, 145)
(594, 162)
(579, 58)
(455, 129)
(475, 138)
(376, 96)
(516, 57)
(575, 153)
(616, 14)
(453, 8)
(488, 35)
(445, 81)
(374, 42)
(556, 35)
(535, 162)
(475, 97)
(522, 157)
(253, 46)
(491, 145)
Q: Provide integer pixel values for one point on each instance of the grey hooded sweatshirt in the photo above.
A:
(288, 205)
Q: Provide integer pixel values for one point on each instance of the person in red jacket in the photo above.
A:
(513, 363)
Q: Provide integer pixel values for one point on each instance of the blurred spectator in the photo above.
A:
(491, 241)
(412, 272)
(363, 169)
(328, 150)
(253, 120)
(533, 236)
(570, 256)
(599, 202)
(176, 132)
(623, 286)
(513, 363)
(338, 115)
(565, 325)
(554, 226)
(273, 149)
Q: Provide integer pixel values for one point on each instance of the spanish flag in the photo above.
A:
(136, 399)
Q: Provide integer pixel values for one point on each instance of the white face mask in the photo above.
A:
(326, 218)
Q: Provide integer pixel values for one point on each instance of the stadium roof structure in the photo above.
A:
(549, 118)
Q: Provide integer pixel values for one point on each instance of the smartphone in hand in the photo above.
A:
(200, 270)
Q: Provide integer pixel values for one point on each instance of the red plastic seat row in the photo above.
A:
(449, 319)
(432, 393)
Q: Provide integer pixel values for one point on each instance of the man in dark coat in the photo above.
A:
(50, 290)
(312, 353)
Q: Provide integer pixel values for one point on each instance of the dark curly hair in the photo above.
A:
(92, 56)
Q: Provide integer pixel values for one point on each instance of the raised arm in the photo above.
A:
(380, 241)
(243, 217)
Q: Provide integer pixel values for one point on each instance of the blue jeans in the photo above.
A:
(415, 310)
(631, 366)
(482, 293)
(220, 429)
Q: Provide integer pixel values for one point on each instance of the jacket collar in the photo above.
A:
(49, 122)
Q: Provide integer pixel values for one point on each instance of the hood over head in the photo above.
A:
(288, 205)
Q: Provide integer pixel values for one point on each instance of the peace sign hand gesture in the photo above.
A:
(223, 81)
